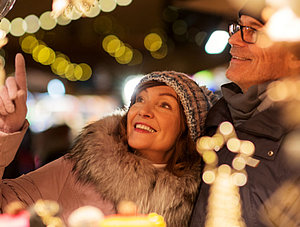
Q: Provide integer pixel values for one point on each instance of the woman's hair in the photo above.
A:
(185, 154)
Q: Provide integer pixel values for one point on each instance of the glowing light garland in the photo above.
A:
(224, 207)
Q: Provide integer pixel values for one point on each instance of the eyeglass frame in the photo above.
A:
(241, 28)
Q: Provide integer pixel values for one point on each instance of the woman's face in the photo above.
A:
(153, 123)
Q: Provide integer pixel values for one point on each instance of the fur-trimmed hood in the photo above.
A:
(102, 159)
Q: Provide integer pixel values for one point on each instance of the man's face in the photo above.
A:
(253, 64)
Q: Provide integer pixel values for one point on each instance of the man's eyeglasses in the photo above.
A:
(248, 34)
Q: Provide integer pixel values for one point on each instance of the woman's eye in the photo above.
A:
(166, 105)
(139, 99)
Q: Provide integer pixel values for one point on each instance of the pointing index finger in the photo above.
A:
(20, 72)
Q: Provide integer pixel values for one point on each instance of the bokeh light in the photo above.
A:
(126, 57)
(47, 21)
(63, 20)
(205, 78)
(5, 25)
(179, 27)
(153, 42)
(46, 56)
(209, 176)
(107, 5)
(281, 26)
(247, 148)
(129, 86)
(233, 144)
(18, 27)
(33, 23)
(137, 57)
(28, 43)
(160, 53)
(239, 179)
(94, 11)
(217, 42)
(86, 72)
(123, 2)
(56, 88)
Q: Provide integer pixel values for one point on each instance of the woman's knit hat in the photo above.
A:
(196, 100)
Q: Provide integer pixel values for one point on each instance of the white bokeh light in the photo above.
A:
(129, 86)
(217, 42)
(56, 88)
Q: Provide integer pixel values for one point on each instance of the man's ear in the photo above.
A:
(294, 62)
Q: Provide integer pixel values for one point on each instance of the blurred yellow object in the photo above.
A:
(151, 220)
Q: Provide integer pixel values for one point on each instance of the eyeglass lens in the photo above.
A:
(249, 35)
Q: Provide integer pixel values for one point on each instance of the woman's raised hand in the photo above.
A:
(13, 95)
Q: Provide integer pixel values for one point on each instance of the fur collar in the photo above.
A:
(102, 159)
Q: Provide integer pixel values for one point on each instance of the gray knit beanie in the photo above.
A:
(196, 100)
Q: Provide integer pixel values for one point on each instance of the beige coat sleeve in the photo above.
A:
(9, 144)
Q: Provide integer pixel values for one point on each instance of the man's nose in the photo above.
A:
(236, 39)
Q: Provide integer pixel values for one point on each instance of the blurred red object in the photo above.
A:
(15, 220)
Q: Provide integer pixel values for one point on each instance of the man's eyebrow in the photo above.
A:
(168, 94)
(250, 23)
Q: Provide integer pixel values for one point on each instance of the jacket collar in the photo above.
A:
(267, 123)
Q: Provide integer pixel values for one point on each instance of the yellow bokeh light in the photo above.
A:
(224, 169)
(239, 179)
(78, 72)
(5, 25)
(120, 51)
(107, 40)
(18, 27)
(137, 57)
(161, 53)
(233, 144)
(113, 45)
(46, 56)
(63, 20)
(47, 21)
(36, 51)
(61, 66)
(126, 57)
(239, 163)
(209, 176)
(33, 23)
(153, 42)
(94, 11)
(59, 54)
(69, 72)
(29, 43)
(86, 72)
(218, 141)
(226, 128)
(247, 148)
(123, 2)
(204, 143)
(107, 5)
(72, 13)
(279, 90)
(210, 157)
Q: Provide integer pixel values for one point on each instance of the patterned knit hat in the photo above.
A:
(196, 100)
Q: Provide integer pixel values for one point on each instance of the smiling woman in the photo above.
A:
(146, 155)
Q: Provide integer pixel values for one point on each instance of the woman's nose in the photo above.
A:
(146, 111)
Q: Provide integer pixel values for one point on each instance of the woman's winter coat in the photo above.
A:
(101, 171)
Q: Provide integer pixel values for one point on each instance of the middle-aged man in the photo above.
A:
(244, 104)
